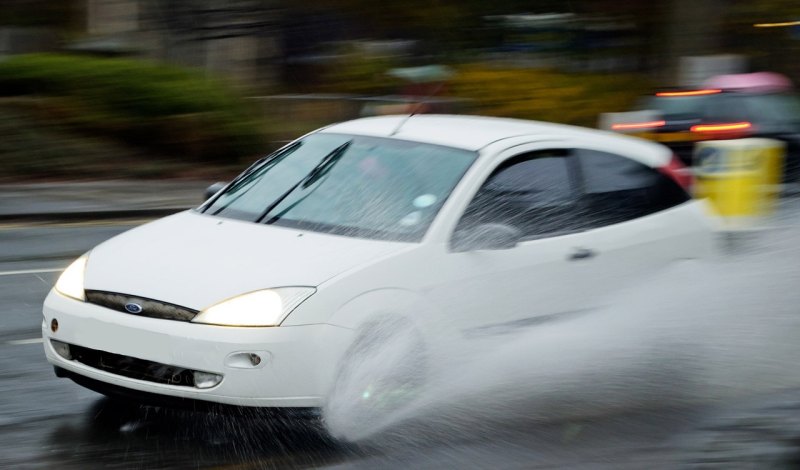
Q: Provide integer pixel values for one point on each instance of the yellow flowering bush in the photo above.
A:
(546, 95)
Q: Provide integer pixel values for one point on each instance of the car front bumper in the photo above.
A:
(297, 363)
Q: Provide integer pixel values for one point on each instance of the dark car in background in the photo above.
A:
(728, 107)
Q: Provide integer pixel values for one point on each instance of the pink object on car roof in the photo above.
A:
(764, 82)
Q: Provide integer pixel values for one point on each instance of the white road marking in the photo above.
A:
(18, 342)
(30, 271)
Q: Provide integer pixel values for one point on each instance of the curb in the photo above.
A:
(64, 256)
(91, 215)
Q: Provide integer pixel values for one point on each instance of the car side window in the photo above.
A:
(535, 193)
(617, 189)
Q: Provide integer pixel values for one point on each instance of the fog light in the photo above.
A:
(206, 379)
(54, 325)
(62, 349)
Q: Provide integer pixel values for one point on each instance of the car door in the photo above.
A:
(637, 220)
(541, 279)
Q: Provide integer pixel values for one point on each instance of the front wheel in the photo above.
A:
(379, 379)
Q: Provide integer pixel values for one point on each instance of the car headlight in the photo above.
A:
(260, 308)
(70, 283)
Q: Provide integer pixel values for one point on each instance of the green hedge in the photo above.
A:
(172, 110)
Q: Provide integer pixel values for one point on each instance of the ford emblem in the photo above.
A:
(133, 308)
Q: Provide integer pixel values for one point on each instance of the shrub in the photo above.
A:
(169, 109)
(546, 95)
(358, 72)
(31, 149)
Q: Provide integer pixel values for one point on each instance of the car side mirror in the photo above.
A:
(486, 237)
(213, 189)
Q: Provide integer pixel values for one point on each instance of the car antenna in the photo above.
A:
(416, 108)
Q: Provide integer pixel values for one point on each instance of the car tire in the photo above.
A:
(380, 377)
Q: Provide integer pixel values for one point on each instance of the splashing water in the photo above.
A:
(696, 332)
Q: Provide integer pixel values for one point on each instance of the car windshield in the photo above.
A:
(348, 185)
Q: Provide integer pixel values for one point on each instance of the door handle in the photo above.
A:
(581, 253)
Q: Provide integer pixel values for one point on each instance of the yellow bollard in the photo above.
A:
(741, 178)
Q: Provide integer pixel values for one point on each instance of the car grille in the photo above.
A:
(132, 367)
(149, 308)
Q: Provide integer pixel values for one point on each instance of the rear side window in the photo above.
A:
(617, 189)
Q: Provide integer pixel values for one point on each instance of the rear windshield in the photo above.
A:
(675, 106)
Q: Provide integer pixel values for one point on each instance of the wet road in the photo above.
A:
(46, 422)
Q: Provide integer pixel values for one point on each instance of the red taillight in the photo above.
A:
(678, 173)
(638, 125)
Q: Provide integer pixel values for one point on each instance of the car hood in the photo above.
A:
(195, 260)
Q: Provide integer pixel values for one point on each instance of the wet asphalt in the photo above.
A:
(47, 422)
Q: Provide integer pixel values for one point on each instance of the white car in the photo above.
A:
(442, 226)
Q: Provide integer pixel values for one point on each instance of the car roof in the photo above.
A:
(459, 131)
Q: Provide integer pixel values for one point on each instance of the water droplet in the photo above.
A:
(426, 200)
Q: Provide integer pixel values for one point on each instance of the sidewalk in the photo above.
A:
(97, 200)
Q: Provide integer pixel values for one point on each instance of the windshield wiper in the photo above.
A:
(242, 179)
(322, 168)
